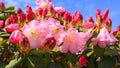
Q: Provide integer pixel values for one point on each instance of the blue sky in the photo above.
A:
(86, 7)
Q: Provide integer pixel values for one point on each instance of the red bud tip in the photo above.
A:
(105, 14)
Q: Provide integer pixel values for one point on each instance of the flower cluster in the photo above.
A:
(51, 29)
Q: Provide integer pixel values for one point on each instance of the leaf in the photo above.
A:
(2, 65)
(14, 62)
(56, 49)
(10, 8)
(92, 63)
(54, 65)
(111, 51)
(98, 51)
(106, 62)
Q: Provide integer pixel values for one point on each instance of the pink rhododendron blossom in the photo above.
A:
(36, 32)
(74, 41)
(56, 30)
(15, 37)
(43, 3)
(104, 38)
(12, 27)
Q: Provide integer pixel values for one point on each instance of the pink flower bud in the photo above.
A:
(90, 19)
(76, 17)
(19, 10)
(24, 44)
(8, 21)
(15, 37)
(97, 13)
(1, 23)
(108, 24)
(49, 43)
(2, 6)
(67, 16)
(87, 25)
(13, 19)
(82, 61)
(59, 11)
(21, 17)
(29, 16)
(39, 12)
(10, 28)
(105, 14)
(44, 13)
(28, 9)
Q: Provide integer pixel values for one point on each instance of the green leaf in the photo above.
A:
(2, 65)
(56, 49)
(111, 51)
(106, 62)
(98, 51)
(10, 8)
(54, 65)
(14, 62)
(92, 63)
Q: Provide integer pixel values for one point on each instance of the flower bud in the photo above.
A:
(67, 16)
(10, 28)
(29, 16)
(82, 61)
(59, 11)
(76, 17)
(48, 44)
(105, 14)
(24, 44)
(45, 11)
(108, 24)
(28, 9)
(2, 6)
(1, 23)
(13, 19)
(19, 10)
(97, 13)
(21, 17)
(15, 37)
(39, 12)
(90, 19)
(8, 21)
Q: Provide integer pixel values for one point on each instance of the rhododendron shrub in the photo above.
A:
(52, 37)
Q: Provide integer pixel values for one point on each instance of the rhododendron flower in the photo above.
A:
(15, 37)
(42, 3)
(56, 30)
(82, 61)
(104, 38)
(74, 41)
(36, 32)
(12, 27)
(1, 24)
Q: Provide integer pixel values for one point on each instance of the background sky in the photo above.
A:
(85, 7)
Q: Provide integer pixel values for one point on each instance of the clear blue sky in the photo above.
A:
(86, 7)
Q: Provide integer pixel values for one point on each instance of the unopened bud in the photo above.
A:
(1, 23)
(2, 6)
(67, 16)
(90, 19)
(105, 14)
(28, 9)
(24, 44)
(19, 10)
